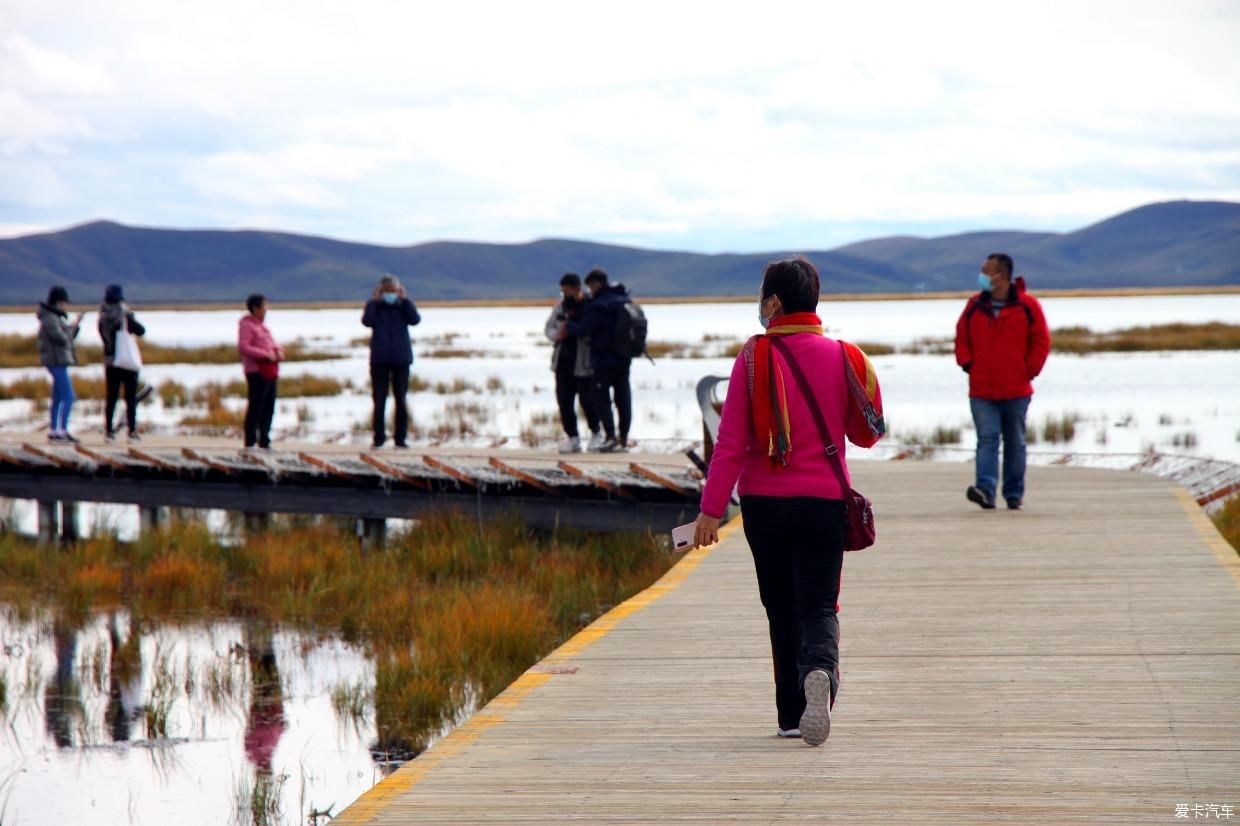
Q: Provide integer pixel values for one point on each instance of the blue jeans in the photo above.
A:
(1007, 419)
(62, 399)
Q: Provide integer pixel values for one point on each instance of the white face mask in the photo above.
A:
(983, 281)
(765, 321)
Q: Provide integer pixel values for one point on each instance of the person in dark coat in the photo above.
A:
(611, 368)
(113, 313)
(570, 361)
(389, 314)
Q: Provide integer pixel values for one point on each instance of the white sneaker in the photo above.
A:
(816, 721)
(571, 445)
(788, 732)
(596, 440)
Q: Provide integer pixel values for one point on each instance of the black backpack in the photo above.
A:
(628, 337)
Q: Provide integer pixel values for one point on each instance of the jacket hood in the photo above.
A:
(1019, 284)
(47, 309)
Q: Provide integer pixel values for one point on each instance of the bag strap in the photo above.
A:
(802, 382)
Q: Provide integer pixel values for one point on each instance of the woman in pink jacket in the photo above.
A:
(260, 358)
(770, 447)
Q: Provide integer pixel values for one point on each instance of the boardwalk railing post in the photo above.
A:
(371, 533)
(70, 522)
(49, 522)
(150, 518)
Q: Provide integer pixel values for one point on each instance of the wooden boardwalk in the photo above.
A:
(1073, 663)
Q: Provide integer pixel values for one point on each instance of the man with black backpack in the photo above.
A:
(617, 330)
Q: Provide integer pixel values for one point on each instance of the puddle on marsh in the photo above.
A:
(193, 724)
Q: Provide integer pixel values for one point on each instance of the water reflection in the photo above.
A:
(154, 724)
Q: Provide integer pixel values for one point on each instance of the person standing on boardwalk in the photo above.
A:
(609, 364)
(58, 352)
(570, 361)
(792, 499)
(113, 315)
(260, 358)
(1002, 342)
(389, 314)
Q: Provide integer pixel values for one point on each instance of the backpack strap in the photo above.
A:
(808, 392)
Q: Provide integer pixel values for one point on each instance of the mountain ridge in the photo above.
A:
(1168, 244)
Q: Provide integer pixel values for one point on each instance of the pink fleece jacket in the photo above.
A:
(739, 458)
(255, 343)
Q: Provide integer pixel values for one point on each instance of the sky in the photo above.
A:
(709, 127)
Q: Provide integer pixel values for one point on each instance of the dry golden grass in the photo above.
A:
(22, 351)
(1211, 336)
(477, 603)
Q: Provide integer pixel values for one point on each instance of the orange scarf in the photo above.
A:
(768, 391)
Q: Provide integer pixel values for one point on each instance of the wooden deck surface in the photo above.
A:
(1077, 662)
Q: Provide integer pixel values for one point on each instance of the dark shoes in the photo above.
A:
(980, 497)
(1015, 505)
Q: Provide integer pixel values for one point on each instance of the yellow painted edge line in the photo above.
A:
(1223, 551)
(384, 793)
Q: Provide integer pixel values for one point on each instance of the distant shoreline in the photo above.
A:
(208, 306)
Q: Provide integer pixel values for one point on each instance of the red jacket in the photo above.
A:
(1002, 355)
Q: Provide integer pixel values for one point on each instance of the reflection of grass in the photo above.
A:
(260, 804)
(941, 435)
(1062, 429)
(449, 607)
(351, 701)
(1227, 520)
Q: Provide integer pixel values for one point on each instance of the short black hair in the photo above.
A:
(255, 301)
(56, 295)
(1006, 265)
(571, 279)
(795, 281)
(596, 276)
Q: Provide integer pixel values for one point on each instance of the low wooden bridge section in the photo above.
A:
(596, 491)
(1076, 662)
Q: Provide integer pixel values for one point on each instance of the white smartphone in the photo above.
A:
(682, 537)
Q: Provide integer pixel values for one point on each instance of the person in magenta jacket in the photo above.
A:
(771, 450)
(260, 359)
(1002, 342)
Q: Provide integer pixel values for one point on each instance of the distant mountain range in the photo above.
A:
(1173, 244)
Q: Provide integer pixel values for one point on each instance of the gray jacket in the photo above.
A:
(558, 318)
(111, 317)
(56, 338)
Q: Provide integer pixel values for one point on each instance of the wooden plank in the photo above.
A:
(208, 460)
(524, 476)
(342, 468)
(161, 461)
(395, 472)
(596, 480)
(652, 475)
(105, 457)
(72, 461)
(455, 472)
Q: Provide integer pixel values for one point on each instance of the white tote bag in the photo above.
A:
(127, 355)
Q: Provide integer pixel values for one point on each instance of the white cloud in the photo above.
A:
(396, 121)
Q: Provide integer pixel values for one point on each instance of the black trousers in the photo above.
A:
(605, 382)
(798, 552)
(569, 388)
(260, 410)
(395, 377)
(117, 379)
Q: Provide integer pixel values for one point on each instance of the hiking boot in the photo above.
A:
(788, 732)
(596, 440)
(571, 445)
(144, 393)
(816, 720)
(1015, 505)
(980, 497)
(55, 436)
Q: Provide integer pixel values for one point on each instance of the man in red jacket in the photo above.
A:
(1002, 343)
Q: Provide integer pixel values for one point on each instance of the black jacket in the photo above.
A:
(389, 324)
(599, 323)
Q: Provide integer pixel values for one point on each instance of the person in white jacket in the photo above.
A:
(570, 361)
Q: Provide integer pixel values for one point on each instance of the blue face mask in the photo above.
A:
(983, 281)
(765, 321)
(390, 298)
